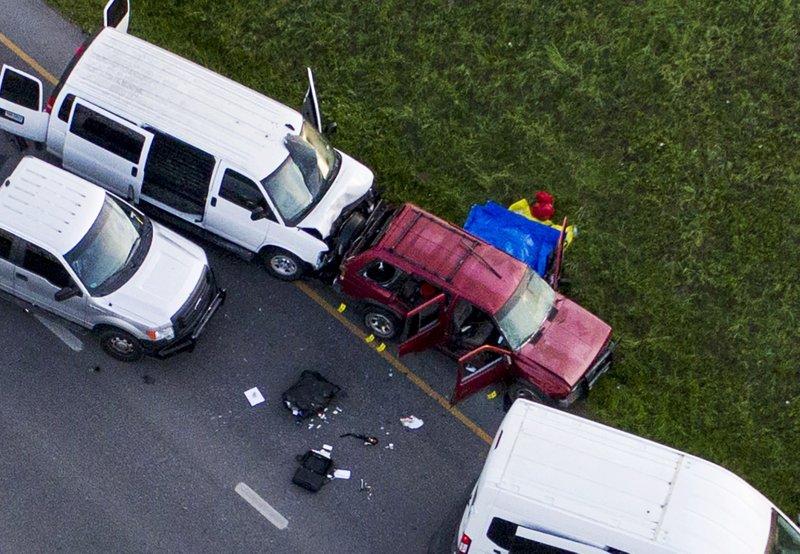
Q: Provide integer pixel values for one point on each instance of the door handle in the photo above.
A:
(134, 171)
(213, 200)
(21, 277)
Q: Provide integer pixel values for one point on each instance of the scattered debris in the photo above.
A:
(254, 396)
(96, 369)
(368, 440)
(341, 474)
(389, 446)
(411, 422)
(310, 395)
(365, 487)
(314, 468)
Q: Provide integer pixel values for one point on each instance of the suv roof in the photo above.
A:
(185, 100)
(445, 254)
(47, 205)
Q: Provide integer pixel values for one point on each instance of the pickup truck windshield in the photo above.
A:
(302, 180)
(112, 249)
(526, 310)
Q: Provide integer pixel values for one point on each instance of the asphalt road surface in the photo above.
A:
(169, 456)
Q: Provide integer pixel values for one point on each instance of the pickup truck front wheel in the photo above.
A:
(283, 265)
(523, 389)
(121, 345)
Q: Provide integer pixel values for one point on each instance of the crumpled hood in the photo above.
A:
(353, 181)
(162, 284)
(569, 343)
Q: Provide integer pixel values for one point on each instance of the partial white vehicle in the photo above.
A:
(81, 253)
(556, 483)
(204, 152)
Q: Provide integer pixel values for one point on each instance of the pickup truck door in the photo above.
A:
(106, 149)
(424, 326)
(559, 258)
(117, 13)
(238, 210)
(479, 368)
(21, 105)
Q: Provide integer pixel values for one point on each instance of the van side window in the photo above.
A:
(46, 266)
(243, 192)
(177, 173)
(66, 107)
(5, 245)
(106, 134)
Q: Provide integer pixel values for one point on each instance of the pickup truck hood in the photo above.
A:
(162, 284)
(569, 343)
(353, 182)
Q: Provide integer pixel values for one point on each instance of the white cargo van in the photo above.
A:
(72, 249)
(556, 483)
(207, 153)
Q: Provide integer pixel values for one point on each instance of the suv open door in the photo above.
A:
(117, 14)
(481, 367)
(559, 256)
(21, 105)
(425, 326)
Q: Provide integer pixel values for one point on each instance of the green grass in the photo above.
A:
(667, 130)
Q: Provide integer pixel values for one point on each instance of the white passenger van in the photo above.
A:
(207, 153)
(556, 483)
(72, 249)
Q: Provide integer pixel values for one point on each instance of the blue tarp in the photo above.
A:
(523, 238)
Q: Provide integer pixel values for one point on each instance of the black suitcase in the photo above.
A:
(313, 471)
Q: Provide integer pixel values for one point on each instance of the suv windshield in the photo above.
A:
(304, 177)
(527, 309)
(112, 249)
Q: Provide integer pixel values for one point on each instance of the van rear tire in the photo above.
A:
(282, 264)
(121, 345)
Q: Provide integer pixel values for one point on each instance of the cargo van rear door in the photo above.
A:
(21, 105)
(106, 149)
(117, 14)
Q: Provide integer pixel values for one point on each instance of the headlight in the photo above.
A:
(161, 333)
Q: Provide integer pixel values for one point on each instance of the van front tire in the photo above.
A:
(121, 345)
(283, 265)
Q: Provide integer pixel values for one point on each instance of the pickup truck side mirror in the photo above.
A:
(329, 128)
(66, 293)
(258, 213)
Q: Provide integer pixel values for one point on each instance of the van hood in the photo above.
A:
(352, 183)
(165, 280)
(569, 343)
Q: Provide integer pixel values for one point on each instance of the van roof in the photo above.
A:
(47, 205)
(449, 256)
(581, 474)
(153, 87)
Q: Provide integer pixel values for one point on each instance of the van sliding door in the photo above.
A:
(106, 149)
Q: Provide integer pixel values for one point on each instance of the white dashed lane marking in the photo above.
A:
(252, 498)
(61, 332)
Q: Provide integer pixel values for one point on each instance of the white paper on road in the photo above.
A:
(254, 396)
(341, 474)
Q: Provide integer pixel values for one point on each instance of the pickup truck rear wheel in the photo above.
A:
(381, 323)
(121, 345)
(282, 264)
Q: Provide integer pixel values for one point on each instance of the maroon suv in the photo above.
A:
(434, 284)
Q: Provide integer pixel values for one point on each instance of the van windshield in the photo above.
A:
(783, 536)
(304, 177)
(527, 309)
(112, 250)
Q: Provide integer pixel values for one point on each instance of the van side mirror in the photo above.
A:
(66, 293)
(329, 128)
(258, 213)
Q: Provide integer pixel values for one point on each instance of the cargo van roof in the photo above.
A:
(47, 205)
(151, 86)
(481, 273)
(581, 474)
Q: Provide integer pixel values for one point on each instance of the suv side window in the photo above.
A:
(107, 134)
(46, 266)
(243, 192)
(5, 245)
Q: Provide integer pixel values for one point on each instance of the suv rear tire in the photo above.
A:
(282, 264)
(121, 345)
(381, 323)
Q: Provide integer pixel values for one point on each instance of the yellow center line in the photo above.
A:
(394, 362)
(27, 59)
(455, 412)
